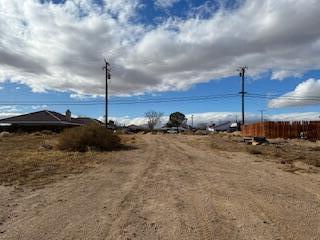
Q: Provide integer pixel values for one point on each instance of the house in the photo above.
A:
(134, 128)
(43, 120)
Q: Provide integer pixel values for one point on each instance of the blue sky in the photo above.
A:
(52, 56)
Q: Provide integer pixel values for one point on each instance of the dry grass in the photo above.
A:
(316, 149)
(286, 152)
(24, 162)
(91, 136)
(253, 150)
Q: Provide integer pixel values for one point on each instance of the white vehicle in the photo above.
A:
(172, 131)
(210, 129)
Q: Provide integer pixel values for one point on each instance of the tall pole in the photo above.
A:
(192, 121)
(261, 115)
(242, 73)
(108, 76)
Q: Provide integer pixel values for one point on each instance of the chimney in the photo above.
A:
(68, 115)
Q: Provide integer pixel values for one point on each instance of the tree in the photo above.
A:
(177, 119)
(153, 118)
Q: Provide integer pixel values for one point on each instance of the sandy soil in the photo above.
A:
(168, 188)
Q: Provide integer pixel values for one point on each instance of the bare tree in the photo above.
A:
(153, 118)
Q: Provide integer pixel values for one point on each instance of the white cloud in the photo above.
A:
(37, 107)
(61, 46)
(127, 120)
(8, 114)
(304, 116)
(282, 74)
(82, 96)
(306, 93)
(165, 3)
(9, 111)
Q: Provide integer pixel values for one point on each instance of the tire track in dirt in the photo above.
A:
(211, 223)
(128, 210)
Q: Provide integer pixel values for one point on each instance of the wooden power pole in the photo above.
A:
(242, 71)
(108, 76)
(261, 115)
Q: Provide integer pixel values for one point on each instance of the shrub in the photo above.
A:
(91, 136)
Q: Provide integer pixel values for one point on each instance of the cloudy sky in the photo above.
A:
(166, 55)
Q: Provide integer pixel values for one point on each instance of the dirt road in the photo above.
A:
(169, 188)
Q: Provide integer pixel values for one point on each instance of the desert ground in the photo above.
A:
(161, 187)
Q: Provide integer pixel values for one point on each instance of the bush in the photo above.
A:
(91, 136)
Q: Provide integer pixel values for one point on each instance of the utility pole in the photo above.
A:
(108, 76)
(261, 115)
(242, 71)
(192, 121)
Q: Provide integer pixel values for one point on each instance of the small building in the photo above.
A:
(43, 120)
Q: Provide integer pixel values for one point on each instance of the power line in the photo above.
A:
(116, 102)
(156, 100)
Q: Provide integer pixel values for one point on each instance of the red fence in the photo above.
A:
(309, 130)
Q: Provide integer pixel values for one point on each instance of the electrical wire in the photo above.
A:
(124, 102)
(160, 100)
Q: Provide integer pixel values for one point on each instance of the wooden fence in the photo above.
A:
(308, 129)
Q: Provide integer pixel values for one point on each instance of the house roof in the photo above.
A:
(45, 117)
(85, 120)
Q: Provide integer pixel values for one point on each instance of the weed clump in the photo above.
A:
(91, 136)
